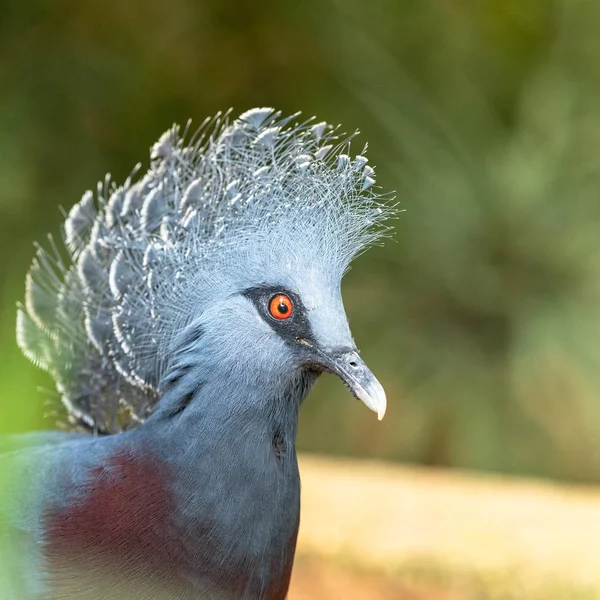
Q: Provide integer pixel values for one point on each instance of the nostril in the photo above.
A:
(353, 364)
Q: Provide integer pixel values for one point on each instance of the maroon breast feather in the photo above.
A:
(116, 534)
(117, 540)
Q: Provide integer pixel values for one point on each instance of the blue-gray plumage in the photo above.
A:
(198, 307)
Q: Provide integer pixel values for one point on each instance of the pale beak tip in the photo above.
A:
(377, 400)
(381, 410)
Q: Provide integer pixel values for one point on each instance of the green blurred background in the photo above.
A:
(482, 318)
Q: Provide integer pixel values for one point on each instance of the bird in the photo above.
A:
(184, 318)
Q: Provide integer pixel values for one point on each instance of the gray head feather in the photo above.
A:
(212, 215)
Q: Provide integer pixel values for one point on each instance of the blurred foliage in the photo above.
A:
(482, 318)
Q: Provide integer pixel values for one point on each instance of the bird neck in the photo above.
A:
(220, 405)
(233, 477)
(213, 426)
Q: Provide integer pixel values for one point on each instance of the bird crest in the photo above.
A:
(216, 210)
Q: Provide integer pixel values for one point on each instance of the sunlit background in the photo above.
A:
(482, 316)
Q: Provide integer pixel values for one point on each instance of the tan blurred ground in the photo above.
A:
(377, 532)
(326, 581)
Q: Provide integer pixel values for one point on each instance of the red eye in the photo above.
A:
(281, 307)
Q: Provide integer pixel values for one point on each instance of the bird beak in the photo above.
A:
(353, 371)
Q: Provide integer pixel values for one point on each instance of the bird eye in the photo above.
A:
(281, 307)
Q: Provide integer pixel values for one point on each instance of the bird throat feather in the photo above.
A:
(216, 212)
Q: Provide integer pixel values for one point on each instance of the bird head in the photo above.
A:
(275, 323)
(225, 258)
